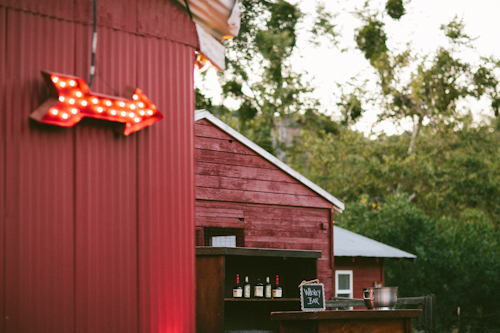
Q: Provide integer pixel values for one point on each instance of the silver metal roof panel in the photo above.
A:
(349, 244)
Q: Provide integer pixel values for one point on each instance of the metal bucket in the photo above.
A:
(384, 298)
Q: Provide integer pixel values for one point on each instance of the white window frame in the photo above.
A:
(343, 291)
(223, 241)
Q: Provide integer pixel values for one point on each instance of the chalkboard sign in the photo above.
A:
(312, 297)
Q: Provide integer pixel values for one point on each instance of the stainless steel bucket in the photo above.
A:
(384, 298)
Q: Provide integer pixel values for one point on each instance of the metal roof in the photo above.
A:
(349, 244)
(204, 114)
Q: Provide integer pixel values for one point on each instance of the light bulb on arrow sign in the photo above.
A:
(71, 100)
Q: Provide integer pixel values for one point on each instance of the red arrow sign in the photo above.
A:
(71, 100)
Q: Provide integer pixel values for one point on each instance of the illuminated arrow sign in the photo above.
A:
(71, 100)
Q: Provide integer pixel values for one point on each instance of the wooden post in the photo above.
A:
(429, 317)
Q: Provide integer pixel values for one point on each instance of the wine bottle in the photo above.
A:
(267, 289)
(246, 288)
(237, 290)
(258, 290)
(277, 291)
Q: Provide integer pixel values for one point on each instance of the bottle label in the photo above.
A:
(246, 292)
(277, 293)
(259, 291)
(237, 293)
(268, 291)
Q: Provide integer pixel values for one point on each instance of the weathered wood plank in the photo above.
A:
(202, 131)
(266, 245)
(221, 157)
(223, 222)
(265, 186)
(231, 146)
(251, 226)
(219, 204)
(220, 213)
(253, 185)
(209, 294)
(260, 197)
(309, 246)
(285, 218)
(294, 242)
(204, 122)
(360, 314)
(236, 171)
(285, 234)
(207, 181)
(279, 211)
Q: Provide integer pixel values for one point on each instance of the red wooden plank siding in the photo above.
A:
(212, 156)
(236, 171)
(237, 188)
(364, 271)
(221, 194)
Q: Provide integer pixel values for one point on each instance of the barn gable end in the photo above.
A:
(266, 206)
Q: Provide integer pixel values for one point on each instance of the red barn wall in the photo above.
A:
(237, 188)
(365, 272)
(97, 228)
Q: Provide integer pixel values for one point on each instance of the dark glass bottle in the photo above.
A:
(237, 290)
(277, 291)
(258, 290)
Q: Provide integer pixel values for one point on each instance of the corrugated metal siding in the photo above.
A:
(39, 235)
(53, 8)
(163, 194)
(3, 189)
(98, 228)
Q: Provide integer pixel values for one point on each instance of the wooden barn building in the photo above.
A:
(247, 196)
(359, 262)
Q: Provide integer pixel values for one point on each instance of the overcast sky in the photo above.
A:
(326, 66)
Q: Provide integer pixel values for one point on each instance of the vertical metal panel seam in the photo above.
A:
(4, 203)
(137, 186)
(75, 191)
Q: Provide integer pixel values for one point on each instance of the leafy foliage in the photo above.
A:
(456, 258)
(439, 82)
(395, 9)
(438, 199)
(371, 39)
(323, 26)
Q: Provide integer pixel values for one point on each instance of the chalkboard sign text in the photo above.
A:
(312, 297)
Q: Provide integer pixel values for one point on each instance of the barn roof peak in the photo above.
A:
(204, 114)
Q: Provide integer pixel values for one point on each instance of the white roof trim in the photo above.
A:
(204, 114)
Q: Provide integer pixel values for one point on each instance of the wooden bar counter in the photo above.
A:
(351, 321)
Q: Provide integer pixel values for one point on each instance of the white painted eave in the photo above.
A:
(204, 114)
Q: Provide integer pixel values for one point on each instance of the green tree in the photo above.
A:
(270, 94)
(438, 83)
(457, 258)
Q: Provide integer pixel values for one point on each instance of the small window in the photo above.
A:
(343, 284)
(224, 241)
(223, 237)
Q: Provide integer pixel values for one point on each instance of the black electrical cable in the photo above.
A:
(189, 9)
(94, 46)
